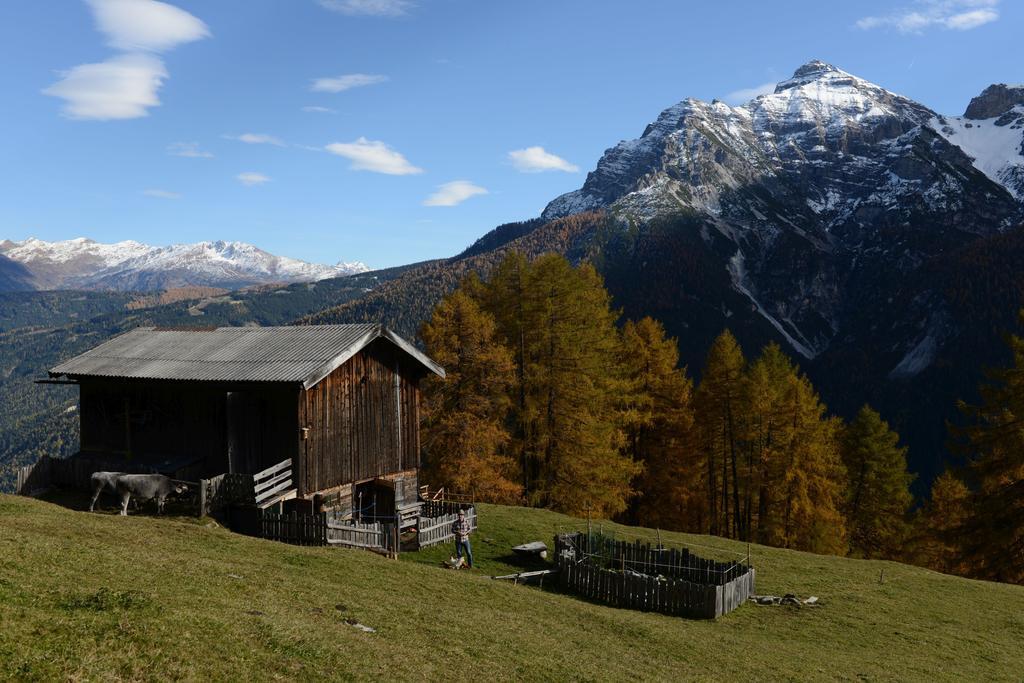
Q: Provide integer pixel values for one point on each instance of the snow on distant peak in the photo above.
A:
(84, 263)
(33, 250)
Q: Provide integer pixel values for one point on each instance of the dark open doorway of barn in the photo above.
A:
(261, 429)
(375, 500)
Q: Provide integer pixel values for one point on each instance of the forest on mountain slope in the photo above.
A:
(552, 401)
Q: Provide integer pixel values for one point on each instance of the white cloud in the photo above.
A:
(256, 139)
(125, 86)
(373, 155)
(251, 178)
(958, 15)
(346, 82)
(455, 192)
(188, 149)
(122, 87)
(146, 24)
(744, 95)
(373, 8)
(162, 194)
(973, 19)
(538, 159)
(318, 110)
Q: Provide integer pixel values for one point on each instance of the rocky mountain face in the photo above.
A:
(14, 277)
(132, 266)
(815, 196)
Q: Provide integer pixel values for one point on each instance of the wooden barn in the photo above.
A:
(339, 404)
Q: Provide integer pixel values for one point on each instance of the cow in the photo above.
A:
(146, 487)
(101, 481)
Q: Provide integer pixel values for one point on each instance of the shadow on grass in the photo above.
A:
(110, 504)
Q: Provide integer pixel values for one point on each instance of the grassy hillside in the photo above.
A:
(99, 597)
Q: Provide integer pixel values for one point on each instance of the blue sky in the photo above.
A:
(392, 131)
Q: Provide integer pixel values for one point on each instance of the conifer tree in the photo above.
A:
(570, 380)
(505, 296)
(464, 432)
(657, 418)
(769, 380)
(939, 526)
(805, 479)
(879, 498)
(718, 413)
(994, 538)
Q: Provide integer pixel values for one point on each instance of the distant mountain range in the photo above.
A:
(132, 266)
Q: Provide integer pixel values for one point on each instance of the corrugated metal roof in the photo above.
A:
(304, 354)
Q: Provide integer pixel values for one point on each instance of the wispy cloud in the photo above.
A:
(453, 193)
(538, 160)
(346, 82)
(372, 8)
(126, 86)
(123, 87)
(162, 194)
(188, 149)
(373, 155)
(957, 15)
(251, 178)
(256, 139)
(146, 24)
(318, 110)
(746, 94)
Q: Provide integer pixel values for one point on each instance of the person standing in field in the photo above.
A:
(461, 529)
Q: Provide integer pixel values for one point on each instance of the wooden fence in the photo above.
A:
(294, 528)
(656, 579)
(438, 529)
(272, 483)
(371, 536)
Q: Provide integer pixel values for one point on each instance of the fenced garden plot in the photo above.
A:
(640, 576)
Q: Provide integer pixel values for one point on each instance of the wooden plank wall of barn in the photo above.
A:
(360, 424)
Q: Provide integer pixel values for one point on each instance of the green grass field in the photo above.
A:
(99, 597)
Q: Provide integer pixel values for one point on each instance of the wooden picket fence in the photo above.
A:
(438, 529)
(655, 579)
(294, 528)
(371, 536)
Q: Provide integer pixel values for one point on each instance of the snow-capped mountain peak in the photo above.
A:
(831, 172)
(129, 265)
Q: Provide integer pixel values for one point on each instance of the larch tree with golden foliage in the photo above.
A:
(719, 412)
(939, 526)
(570, 383)
(769, 379)
(657, 419)
(809, 493)
(505, 296)
(464, 433)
